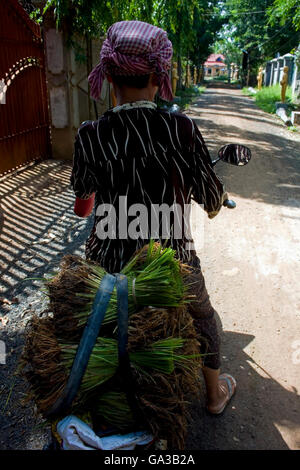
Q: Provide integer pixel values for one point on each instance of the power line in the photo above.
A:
(272, 37)
(248, 12)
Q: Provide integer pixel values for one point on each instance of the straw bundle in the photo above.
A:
(163, 347)
(165, 371)
(155, 277)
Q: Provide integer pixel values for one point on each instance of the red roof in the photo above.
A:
(209, 64)
(212, 60)
(214, 57)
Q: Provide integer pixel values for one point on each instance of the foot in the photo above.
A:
(227, 387)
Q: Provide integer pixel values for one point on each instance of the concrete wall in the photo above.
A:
(69, 100)
(296, 85)
(274, 69)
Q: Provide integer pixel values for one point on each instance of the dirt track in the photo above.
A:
(250, 259)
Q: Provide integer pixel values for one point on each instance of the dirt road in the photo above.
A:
(250, 259)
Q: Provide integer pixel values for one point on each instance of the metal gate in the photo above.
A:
(24, 116)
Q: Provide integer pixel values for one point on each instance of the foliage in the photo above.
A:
(191, 24)
(196, 27)
(184, 20)
(176, 18)
(227, 46)
(249, 28)
(90, 18)
(193, 90)
(284, 10)
(205, 24)
(268, 96)
(292, 129)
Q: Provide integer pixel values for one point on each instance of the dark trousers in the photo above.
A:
(204, 318)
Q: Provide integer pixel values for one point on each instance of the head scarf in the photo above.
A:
(134, 48)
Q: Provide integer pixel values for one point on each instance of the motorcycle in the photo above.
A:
(234, 154)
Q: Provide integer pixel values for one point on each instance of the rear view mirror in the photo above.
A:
(235, 154)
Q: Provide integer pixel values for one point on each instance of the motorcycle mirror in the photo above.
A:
(235, 154)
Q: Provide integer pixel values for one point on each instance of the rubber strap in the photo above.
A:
(87, 342)
(122, 299)
(124, 370)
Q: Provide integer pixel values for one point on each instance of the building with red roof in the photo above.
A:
(215, 66)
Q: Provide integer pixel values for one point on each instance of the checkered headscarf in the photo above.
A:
(134, 48)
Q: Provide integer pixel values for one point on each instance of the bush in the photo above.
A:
(187, 95)
(193, 90)
(221, 78)
(267, 97)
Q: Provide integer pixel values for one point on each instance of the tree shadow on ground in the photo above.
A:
(272, 176)
(221, 84)
(38, 225)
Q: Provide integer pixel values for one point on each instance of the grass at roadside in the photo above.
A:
(188, 94)
(183, 97)
(193, 90)
(267, 97)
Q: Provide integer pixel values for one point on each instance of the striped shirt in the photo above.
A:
(150, 156)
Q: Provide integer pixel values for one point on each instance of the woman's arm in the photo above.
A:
(82, 178)
(208, 187)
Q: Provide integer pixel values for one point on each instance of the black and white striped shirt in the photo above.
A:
(151, 156)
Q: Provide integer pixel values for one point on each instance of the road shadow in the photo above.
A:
(221, 84)
(38, 225)
(272, 176)
(251, 420)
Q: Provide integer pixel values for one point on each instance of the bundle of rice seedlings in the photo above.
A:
(41, 363)
(165, 361)
(163, 397)
(163, 346)
(112, 406)
(161, 356)
(164, 405)
(48, 363)
(155, 277)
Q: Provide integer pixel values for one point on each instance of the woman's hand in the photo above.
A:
(84, 207)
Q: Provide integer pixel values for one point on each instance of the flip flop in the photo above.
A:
(231, 391)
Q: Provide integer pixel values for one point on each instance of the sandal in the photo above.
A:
(231, 387)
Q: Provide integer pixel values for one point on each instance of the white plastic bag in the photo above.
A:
(77, 435)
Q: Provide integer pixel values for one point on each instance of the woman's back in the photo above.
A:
(136, 154)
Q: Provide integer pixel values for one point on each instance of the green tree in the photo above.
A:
(191, 24)
(252, 31)
(207, 22)
(284, 10)
(228, 46)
